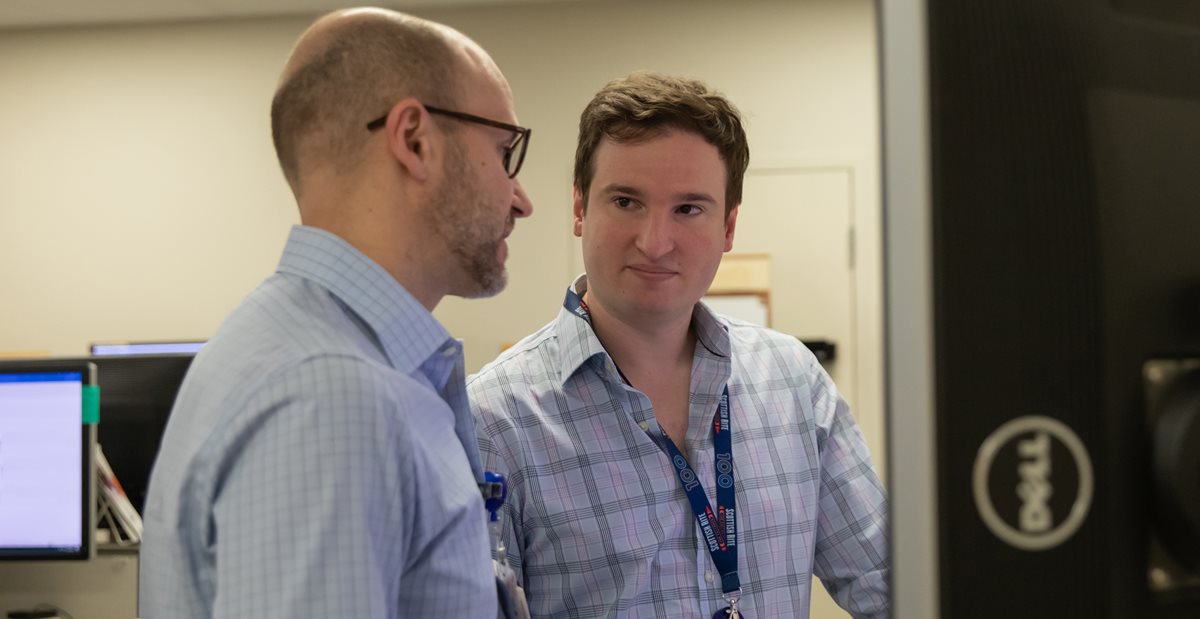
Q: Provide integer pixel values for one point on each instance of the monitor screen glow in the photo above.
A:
(146, 348)
(42, 465)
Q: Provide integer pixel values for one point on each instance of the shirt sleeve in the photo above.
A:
(328, 507)
(852, 558)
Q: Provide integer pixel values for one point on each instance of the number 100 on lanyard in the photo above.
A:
(719, 528)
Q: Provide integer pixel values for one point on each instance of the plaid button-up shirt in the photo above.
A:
(320, 459)
(596, 523)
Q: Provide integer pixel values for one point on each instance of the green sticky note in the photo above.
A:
(91, 404)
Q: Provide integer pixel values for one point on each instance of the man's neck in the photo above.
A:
(646, 351)
(407, 252)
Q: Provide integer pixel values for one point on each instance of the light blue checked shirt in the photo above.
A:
(320, 459)
(596, 523)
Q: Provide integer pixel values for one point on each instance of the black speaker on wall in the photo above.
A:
(1062, 223)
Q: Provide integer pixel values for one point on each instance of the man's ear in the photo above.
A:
(730, 224)
(410, 137)
(579, 208)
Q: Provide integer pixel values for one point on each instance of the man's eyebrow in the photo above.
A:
(695, 197)
(689, 196)
(613, 188)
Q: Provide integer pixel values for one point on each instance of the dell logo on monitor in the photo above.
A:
(1033, 482)
(1035, 489)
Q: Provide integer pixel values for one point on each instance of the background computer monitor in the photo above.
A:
(136, 396)
(145, 348)
(47, 473)
(1042, 209)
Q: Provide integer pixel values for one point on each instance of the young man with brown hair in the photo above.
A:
(663, 460)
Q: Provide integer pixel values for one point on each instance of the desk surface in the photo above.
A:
(105, 587)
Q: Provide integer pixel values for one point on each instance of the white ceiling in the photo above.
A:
(40, 13)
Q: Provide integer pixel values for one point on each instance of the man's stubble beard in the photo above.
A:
(463, 220)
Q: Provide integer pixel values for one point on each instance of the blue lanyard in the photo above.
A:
(720, 527)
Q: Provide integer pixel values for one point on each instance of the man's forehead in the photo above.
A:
(686, 148)
(640, 169)
(488, 95)
(656, 135)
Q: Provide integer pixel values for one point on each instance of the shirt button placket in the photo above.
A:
(706, 570)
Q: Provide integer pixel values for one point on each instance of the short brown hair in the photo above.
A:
(321, 108)
(645, 105)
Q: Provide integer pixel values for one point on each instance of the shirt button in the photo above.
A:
(708, 577)
(643, 425)
(448, 352)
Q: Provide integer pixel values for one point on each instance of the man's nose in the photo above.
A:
(655, 237)
(521, 202)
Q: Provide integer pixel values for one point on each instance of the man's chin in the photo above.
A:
(661, 309)
(486, 285)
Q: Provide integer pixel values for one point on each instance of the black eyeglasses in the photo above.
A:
(514, 153)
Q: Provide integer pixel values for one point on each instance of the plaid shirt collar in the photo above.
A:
(578, 344)
(407, 332)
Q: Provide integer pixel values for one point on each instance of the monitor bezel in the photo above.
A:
(910, 419)
(86, 551)
(116, 395)
(145, 348)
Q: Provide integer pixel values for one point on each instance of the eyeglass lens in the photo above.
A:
(515, 155)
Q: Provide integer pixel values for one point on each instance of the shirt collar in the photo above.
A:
(408, 333)
(711, 330)
(578, 343)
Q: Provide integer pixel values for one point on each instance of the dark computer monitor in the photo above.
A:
(47, 474)
(136, 396)
(1042, 233)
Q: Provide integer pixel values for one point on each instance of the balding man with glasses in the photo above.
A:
(321, 458)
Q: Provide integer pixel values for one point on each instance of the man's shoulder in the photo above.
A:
(760, 353)
(354, 405)
(290, 310)
(752, 337)
(289, 342)
(284, 322)
(533, 357)
(519, 383)
(344, 379)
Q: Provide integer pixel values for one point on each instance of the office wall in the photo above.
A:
(140, 198)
